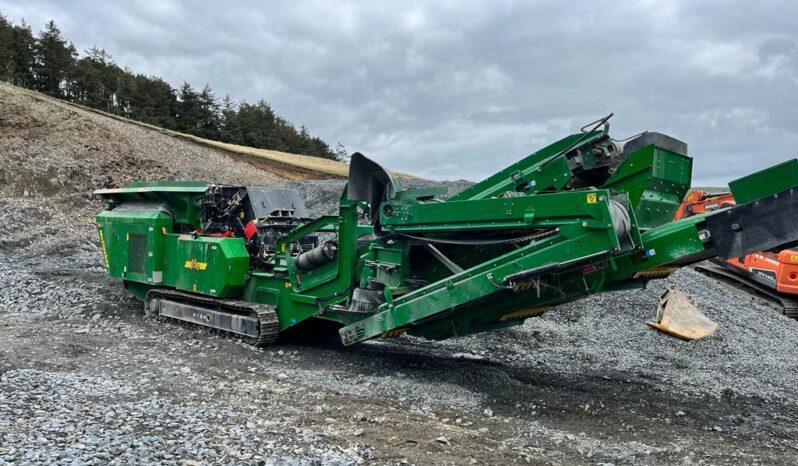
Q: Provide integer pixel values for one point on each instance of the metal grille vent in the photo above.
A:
(137, 253)
(266, 297)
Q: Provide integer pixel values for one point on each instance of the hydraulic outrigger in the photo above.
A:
(584, 215)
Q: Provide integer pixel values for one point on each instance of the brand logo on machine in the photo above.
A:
(591, 198)
(766, 274)
(195, 266)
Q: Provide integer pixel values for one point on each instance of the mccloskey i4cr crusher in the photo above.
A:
(586, 214)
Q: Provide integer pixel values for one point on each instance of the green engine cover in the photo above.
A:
(133, 243)
(209, 265)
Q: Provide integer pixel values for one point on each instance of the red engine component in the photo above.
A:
(250, 229)
(226, 234)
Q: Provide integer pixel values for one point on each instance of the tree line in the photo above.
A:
(50, 64)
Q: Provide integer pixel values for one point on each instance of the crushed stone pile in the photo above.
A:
(752, 353)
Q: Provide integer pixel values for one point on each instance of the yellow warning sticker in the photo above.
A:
(591, 198)
(105, 252)
(195, 266)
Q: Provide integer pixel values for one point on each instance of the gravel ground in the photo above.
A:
(104, 420)
(85, 378)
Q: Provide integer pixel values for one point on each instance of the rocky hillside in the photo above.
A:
(53, 155)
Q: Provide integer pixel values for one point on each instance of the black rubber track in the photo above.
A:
(787, 304)
(269, 326)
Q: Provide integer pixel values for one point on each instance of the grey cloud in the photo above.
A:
(459, 89)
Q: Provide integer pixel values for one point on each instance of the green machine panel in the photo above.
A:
(212, 266)
(656, 180)
(134, 241)
(181, 197)
(765, 182)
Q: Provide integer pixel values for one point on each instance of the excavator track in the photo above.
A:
(255, 323)
(785, 304)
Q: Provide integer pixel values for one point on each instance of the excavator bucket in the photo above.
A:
(678, 316)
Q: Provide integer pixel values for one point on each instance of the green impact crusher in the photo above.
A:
(584, 215)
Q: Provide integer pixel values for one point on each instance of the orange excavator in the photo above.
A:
(772, 275)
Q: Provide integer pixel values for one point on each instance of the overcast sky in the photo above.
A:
(458, 89)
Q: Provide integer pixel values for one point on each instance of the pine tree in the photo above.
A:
(109, 76)
(229, 128)
(340, 153)
(147, 99)
(88, 85)
(209, 121)
(125, 97)
(55, 60)
(162, 101)
(24, 56)
(6, 49)
(50, 64)
(188, 109)
(257, 125)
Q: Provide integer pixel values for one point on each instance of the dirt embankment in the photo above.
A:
(55, 154)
